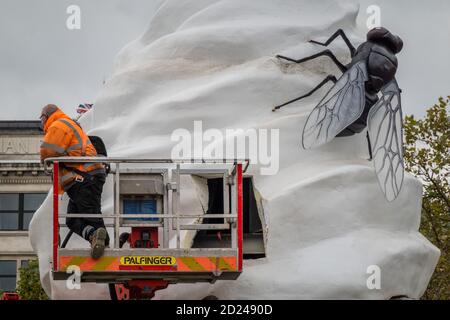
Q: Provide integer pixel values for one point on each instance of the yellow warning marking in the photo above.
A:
(75, 261)
(103, 263)
(223, 264)
(192, 264)
(147, 261)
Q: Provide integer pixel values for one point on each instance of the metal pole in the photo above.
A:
(166, 212)
(177, 209)
(233, 197)
(226, 197)
(117, 206)
(55, 214)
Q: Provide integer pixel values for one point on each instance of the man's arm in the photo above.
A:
(55, 143)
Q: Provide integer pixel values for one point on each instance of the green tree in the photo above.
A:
(427, 156)
(29, 286)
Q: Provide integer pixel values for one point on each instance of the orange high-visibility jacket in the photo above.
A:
(65, 138)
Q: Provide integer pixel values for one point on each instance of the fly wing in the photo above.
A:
(385, 126)
(341, 106)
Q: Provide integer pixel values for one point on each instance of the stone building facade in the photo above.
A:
(23, 187)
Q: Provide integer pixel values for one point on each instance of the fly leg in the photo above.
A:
(369, 145)
(338, 33)
(320, 85)
(327, 53)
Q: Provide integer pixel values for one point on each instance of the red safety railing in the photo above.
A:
(240, 214)
(55, 214)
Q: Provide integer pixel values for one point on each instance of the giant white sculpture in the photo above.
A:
(326, 224)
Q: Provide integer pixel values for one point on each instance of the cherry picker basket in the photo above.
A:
(146, 199)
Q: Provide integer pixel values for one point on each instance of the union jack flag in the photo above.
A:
(82, 108)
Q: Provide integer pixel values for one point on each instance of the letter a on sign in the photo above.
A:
(74, 20)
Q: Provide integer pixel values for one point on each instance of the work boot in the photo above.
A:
(98, 242)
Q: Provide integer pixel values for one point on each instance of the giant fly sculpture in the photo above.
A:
(367, 94)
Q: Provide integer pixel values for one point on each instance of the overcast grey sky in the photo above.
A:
(41, 61)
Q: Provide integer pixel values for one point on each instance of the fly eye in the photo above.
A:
(399, 44)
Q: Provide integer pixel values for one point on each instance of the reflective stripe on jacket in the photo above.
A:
(65, 138)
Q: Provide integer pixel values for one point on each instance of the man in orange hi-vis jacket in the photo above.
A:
(83, 182)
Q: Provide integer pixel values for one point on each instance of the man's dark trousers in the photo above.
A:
(85, 197)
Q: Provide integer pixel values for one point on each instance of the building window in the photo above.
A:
(17, 209)
(8, 275)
